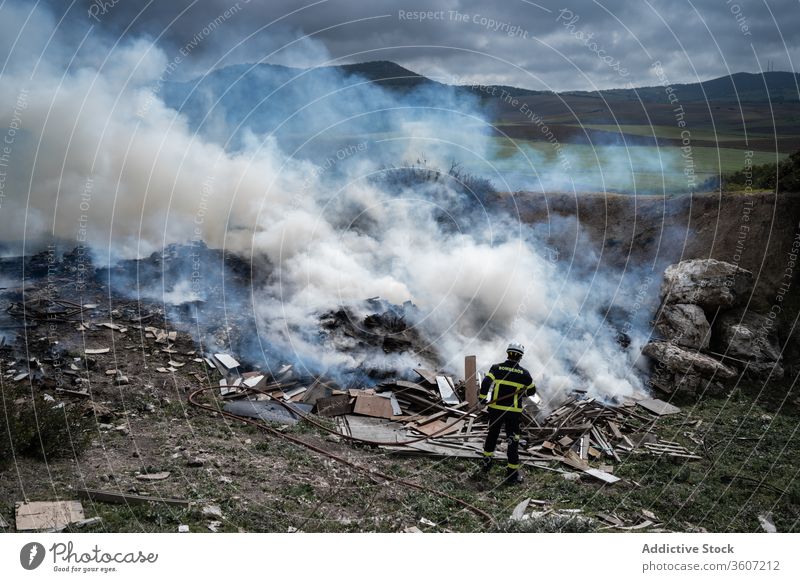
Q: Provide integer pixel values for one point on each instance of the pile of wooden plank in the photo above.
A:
(431, 416)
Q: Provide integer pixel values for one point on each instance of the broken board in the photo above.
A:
(317, 392)
(375, 429)
(47, 515)
(334, 405)
(266, 410)
(396, 410)
(446, 390)
(373, 405)
(658, 407)
(227, 361)
(440, 427)
(426, 375)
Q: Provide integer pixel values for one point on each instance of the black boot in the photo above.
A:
(512, 477)
(486, 464)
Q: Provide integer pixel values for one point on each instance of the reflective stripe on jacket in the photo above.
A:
(511, 383)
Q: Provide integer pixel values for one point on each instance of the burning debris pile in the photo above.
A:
(431, 416)
(710, 339)
(386, 328)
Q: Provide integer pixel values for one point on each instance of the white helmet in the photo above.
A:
(516, 348)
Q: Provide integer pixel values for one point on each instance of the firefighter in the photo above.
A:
(511, 383)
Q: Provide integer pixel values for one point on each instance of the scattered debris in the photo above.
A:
(520, 509)
(658, 407)
(765, 519)
(114, 497)
(447, 390)
(153, 476)
(183, 528)
(89, 522)
(96, 351)
(47, 515)
(226, 362)
(212, 511)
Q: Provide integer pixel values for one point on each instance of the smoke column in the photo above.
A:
(98, 156)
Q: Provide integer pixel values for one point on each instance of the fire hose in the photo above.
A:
(370, 473)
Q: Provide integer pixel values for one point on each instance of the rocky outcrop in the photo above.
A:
(670, 381)
(685, 325)
(693, 291)
(747, 336)
(706, 282)
(678, 359)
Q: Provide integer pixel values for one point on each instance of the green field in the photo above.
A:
(644, 169)
(673, 131)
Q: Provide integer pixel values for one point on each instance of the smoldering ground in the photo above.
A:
(478, 276)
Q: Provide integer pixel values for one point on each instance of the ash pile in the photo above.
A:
(710, 335)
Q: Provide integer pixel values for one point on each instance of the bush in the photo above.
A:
(33, 427)
(785, 176)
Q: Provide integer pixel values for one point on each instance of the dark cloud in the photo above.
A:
(578, 44)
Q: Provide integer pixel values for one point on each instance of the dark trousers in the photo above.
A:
(511, 420)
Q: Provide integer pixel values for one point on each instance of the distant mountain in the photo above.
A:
(362, 98)
(775, 87)
(289, 102)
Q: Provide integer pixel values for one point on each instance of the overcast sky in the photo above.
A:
(573, 44)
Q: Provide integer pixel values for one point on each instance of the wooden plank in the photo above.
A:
(227, 361)
(574, 461)
(374, 429)
(396, 410)
(471, 380)
(432, 418)
(584, 450)
(335, 405)
(413, 386)
(602, 475)
(96, 351)
(317, 392)
(294, 393)
(658, 407)
(374, 406)
(440, 425)
(426, 375)
(615, 429)
(127, 498)
(613, 520)
(422, 402)
(46, 515)
(446, 390)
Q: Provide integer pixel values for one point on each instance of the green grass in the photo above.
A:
(747, 441)
(672, 131)
(646, 169)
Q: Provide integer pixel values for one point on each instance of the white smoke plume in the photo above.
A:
(98, 156)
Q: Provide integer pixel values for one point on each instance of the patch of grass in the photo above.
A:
(33, 427)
